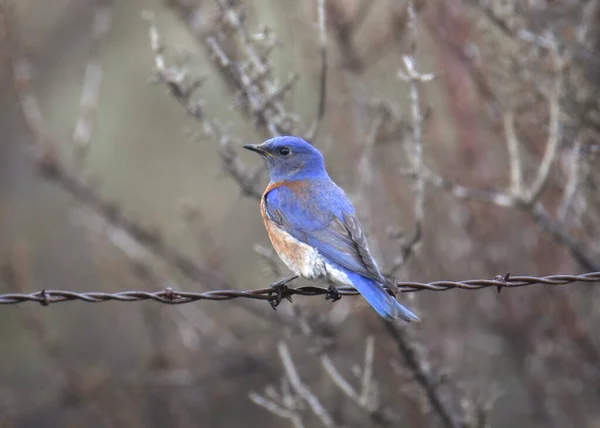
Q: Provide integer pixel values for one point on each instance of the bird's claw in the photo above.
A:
(280, 288)
(333, 294)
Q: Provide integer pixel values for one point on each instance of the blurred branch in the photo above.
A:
(579, 252)
(277, 409)
(247, 69)
(527, 198)
(367, 397)
(414, 354)
(366, 169)
(345, 26)
(276, 294)
(70, 180)
(182, 88)
(573, 182)
(322, 20)
(55, 171)
(516, 169)
(22, 76)
(553, 142)
(302, 390)
(537, 211)
(90, 92)
(69, 378)
(147, 237)
(263, 94)
(414, 78)
(423, 372)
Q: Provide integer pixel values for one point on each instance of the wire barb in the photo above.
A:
(279, 291)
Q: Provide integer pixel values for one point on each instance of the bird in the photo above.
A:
(314, 228)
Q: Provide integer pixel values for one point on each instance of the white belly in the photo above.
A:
(304, 260)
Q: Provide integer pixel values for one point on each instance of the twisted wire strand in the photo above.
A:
(281, 291)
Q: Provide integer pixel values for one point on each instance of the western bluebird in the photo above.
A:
(313, 226)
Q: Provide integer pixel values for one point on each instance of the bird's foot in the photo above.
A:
(333, 293)
(280, 287)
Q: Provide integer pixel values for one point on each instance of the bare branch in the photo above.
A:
(143, 235)
(338, 379)
(176, 79)
(247, 180)
(92, 80)
(367, 386)
(463, 192)
(302, 390)
(573, 182)
(423, 372)
(322, 21)
(364, 398)
(271, 259)
(252, 76)
(514, 156)
(276, 409)
(553, 132)
(22, 76)
(323, 49)
(555, 229)
(365, 166)
(414, 78)
(537, 211)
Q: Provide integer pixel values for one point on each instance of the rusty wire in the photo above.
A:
(275, 294)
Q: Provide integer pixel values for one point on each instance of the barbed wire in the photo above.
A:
(279, 291)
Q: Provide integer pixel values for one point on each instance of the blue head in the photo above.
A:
(290, 158)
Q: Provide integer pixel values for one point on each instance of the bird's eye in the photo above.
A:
(285, 151)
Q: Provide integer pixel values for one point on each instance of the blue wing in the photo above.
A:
(326, 220)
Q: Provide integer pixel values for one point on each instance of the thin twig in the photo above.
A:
(366, 384)
(56, 172)
(553, 142)
(414, 78)
(323, 50)
(365, 165)
(270, 258)
(463, 192)
(302, 390)
(176, 79)
(423, 374)
(90, 92)
(573, 182)
(537, 211)
(253, 79)
(22, 76)
(276, 409)
(322, 21)
(364, 398)
(514, 156)
(581, 254)
(367, 398)
(338, 379)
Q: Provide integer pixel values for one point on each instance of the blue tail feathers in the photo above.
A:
(385, 305)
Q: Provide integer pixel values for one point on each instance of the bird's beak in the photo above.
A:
(257, 148)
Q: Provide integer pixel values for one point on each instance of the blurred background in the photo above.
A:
(118, 172)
